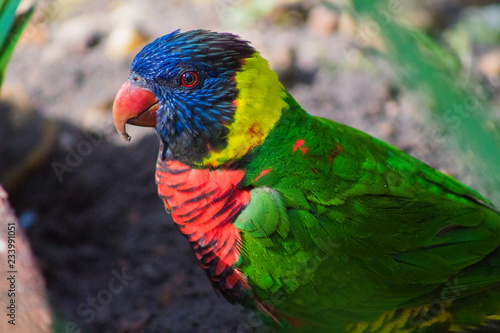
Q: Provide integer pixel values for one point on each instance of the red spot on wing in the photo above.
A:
(261, 174)
(335, 151)
(299, 145)
(314, 170)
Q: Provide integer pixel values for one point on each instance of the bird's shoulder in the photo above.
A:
(325, 193)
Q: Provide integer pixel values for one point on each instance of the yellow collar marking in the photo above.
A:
(260, 102)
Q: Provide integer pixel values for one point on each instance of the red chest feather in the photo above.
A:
(204, 204)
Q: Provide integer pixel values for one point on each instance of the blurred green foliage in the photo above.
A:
(451, 95)
(482, 24)
(11, 26)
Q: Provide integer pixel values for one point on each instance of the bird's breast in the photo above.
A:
(204, 204)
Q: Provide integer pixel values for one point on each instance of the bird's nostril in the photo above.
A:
(134, 77)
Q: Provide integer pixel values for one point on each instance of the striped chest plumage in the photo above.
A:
(204, 205)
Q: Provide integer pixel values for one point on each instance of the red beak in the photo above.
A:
(134, 105)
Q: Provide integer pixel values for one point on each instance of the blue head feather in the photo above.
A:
(192, 120)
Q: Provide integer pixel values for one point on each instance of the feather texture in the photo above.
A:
(320, 226)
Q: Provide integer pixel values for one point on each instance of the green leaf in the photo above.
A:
(11, 27)
(7, 15)
(423, 66)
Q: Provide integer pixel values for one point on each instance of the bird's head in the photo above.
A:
(210, 96)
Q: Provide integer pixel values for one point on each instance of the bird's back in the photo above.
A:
(349, 233)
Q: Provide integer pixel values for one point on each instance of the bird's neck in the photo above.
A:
(258, 107)
(204, 204)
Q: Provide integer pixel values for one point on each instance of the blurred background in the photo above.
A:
(421, 75)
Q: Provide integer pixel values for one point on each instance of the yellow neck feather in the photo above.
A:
(260, 102)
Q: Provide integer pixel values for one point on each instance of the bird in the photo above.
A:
(316, 225)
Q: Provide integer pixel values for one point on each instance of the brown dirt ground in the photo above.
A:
(113, 260)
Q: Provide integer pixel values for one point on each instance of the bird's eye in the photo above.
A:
(189, 79)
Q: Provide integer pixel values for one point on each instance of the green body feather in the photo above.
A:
(343, 230)
(336, 230)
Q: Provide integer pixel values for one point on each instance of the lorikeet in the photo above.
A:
(318, 225)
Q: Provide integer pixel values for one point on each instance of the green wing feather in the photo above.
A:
(343, 229)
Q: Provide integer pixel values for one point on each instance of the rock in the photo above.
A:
(97, 116)
(35, 33)
(489, 64)
(282, 57)
(288, 13)
(385, 128)
(347, 25)
(52, 53)
(23, 283)
(135, 12)
(323, 21)
(125, 40)
(15, 93)
(418, 16)
(80, 33)
(391, 108)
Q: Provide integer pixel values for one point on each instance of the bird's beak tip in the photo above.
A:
(125, 136)
(134, 105)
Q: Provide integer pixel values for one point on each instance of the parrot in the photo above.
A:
(317, 226)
